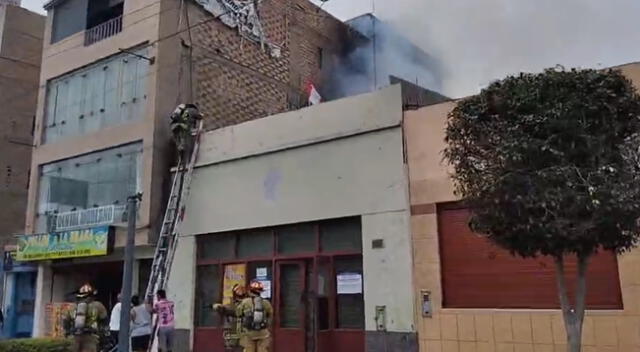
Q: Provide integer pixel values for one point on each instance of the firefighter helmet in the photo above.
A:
(239, 290)
(85, 291)
(256, 286)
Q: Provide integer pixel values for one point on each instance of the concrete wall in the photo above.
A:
(296, 171)
(493, 329)
(20, 49)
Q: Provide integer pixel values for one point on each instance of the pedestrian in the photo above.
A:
(140, 325)
(164, 309)
(256, 314)
(114, 321)
(231, 328)
(85, 320)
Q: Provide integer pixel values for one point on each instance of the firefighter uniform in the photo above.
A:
(183, 120)
(85, 330)
(255, 337)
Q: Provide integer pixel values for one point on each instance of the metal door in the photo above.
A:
(290, 308)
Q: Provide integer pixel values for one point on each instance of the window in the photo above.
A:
(350, 307)
(255, 244)
(102, 178)
(100, 18)
(320, 57)
(108, 93)
(296, 239)
(477, 274)
(216, 247)
(341, 235)
(69, 17)
(208, 291)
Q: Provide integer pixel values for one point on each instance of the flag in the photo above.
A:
(314, 96)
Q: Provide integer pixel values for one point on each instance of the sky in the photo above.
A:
(478, 41)
(34, 5)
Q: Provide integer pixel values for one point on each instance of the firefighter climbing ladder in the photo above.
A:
(170, 231)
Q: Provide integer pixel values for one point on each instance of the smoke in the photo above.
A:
(478, 41)
(381, 53)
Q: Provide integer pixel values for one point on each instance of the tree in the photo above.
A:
(549, 164)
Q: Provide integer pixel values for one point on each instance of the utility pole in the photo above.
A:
(127, 277)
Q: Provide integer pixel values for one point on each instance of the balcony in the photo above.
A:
(103, 31)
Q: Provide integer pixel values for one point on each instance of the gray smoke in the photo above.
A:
(478, 41)
(381, 52)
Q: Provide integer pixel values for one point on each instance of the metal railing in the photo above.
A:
(103, 31)
(105, 215)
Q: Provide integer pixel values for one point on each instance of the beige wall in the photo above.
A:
(482, 330)
(144, 22)
(141, 25)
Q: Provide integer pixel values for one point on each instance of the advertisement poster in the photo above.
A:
(69, 244)
(233, 274)
(54, 315)
(349, 284)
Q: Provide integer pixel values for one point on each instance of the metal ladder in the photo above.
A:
(173, 217)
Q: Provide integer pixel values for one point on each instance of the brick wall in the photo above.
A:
(236, 80)
(20, 53)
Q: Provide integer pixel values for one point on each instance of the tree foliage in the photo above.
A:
(549, 163)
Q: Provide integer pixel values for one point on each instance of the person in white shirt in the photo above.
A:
(114, 322)
(140, 325)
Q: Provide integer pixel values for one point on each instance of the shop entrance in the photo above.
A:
(106, 278)
(312, 274)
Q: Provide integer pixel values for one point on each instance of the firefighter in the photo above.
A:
(231, 323)
(255, 314)
(85, 320)
(183, 120)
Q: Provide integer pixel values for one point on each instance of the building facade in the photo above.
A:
(314, 203)
(21, 34)
(112, 72)
(480, 298)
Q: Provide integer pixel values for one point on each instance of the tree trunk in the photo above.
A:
(573, 317)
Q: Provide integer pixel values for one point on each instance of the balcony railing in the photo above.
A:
(105, 215)
(103, 31)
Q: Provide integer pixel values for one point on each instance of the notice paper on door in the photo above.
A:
(261, 273)
(349, 283)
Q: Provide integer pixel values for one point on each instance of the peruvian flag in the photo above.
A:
(314, 97)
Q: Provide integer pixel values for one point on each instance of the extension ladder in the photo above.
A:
(173, 217)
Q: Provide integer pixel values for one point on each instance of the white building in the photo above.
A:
(315, 203)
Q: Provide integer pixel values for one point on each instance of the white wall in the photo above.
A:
(351, 176)
(387, 271)
(181, 279)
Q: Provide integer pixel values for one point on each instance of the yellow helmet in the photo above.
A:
(85, 291)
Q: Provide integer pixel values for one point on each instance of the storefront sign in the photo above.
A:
(349, 284)
(235, 274)
(69, 244)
